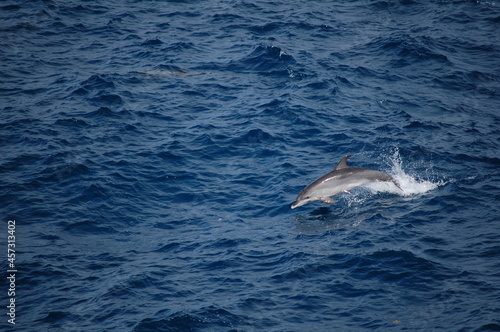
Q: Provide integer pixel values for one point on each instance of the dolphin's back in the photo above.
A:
(370, 175)
(344, 179)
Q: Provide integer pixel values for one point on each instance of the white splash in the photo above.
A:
(411, 185)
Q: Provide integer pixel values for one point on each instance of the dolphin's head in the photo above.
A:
(304, 198)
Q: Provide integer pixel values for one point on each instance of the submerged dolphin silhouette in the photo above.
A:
(341, 179)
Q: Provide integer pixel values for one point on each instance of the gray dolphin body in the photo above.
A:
(341, 179)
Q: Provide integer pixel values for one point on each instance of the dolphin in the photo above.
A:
(341, 179)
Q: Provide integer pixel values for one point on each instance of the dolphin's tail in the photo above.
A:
(397, 184)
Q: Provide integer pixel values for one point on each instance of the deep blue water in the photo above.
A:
(150, 152)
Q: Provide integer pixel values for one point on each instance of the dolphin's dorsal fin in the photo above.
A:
(342, 163)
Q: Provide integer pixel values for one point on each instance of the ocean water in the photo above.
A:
(150, 152)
